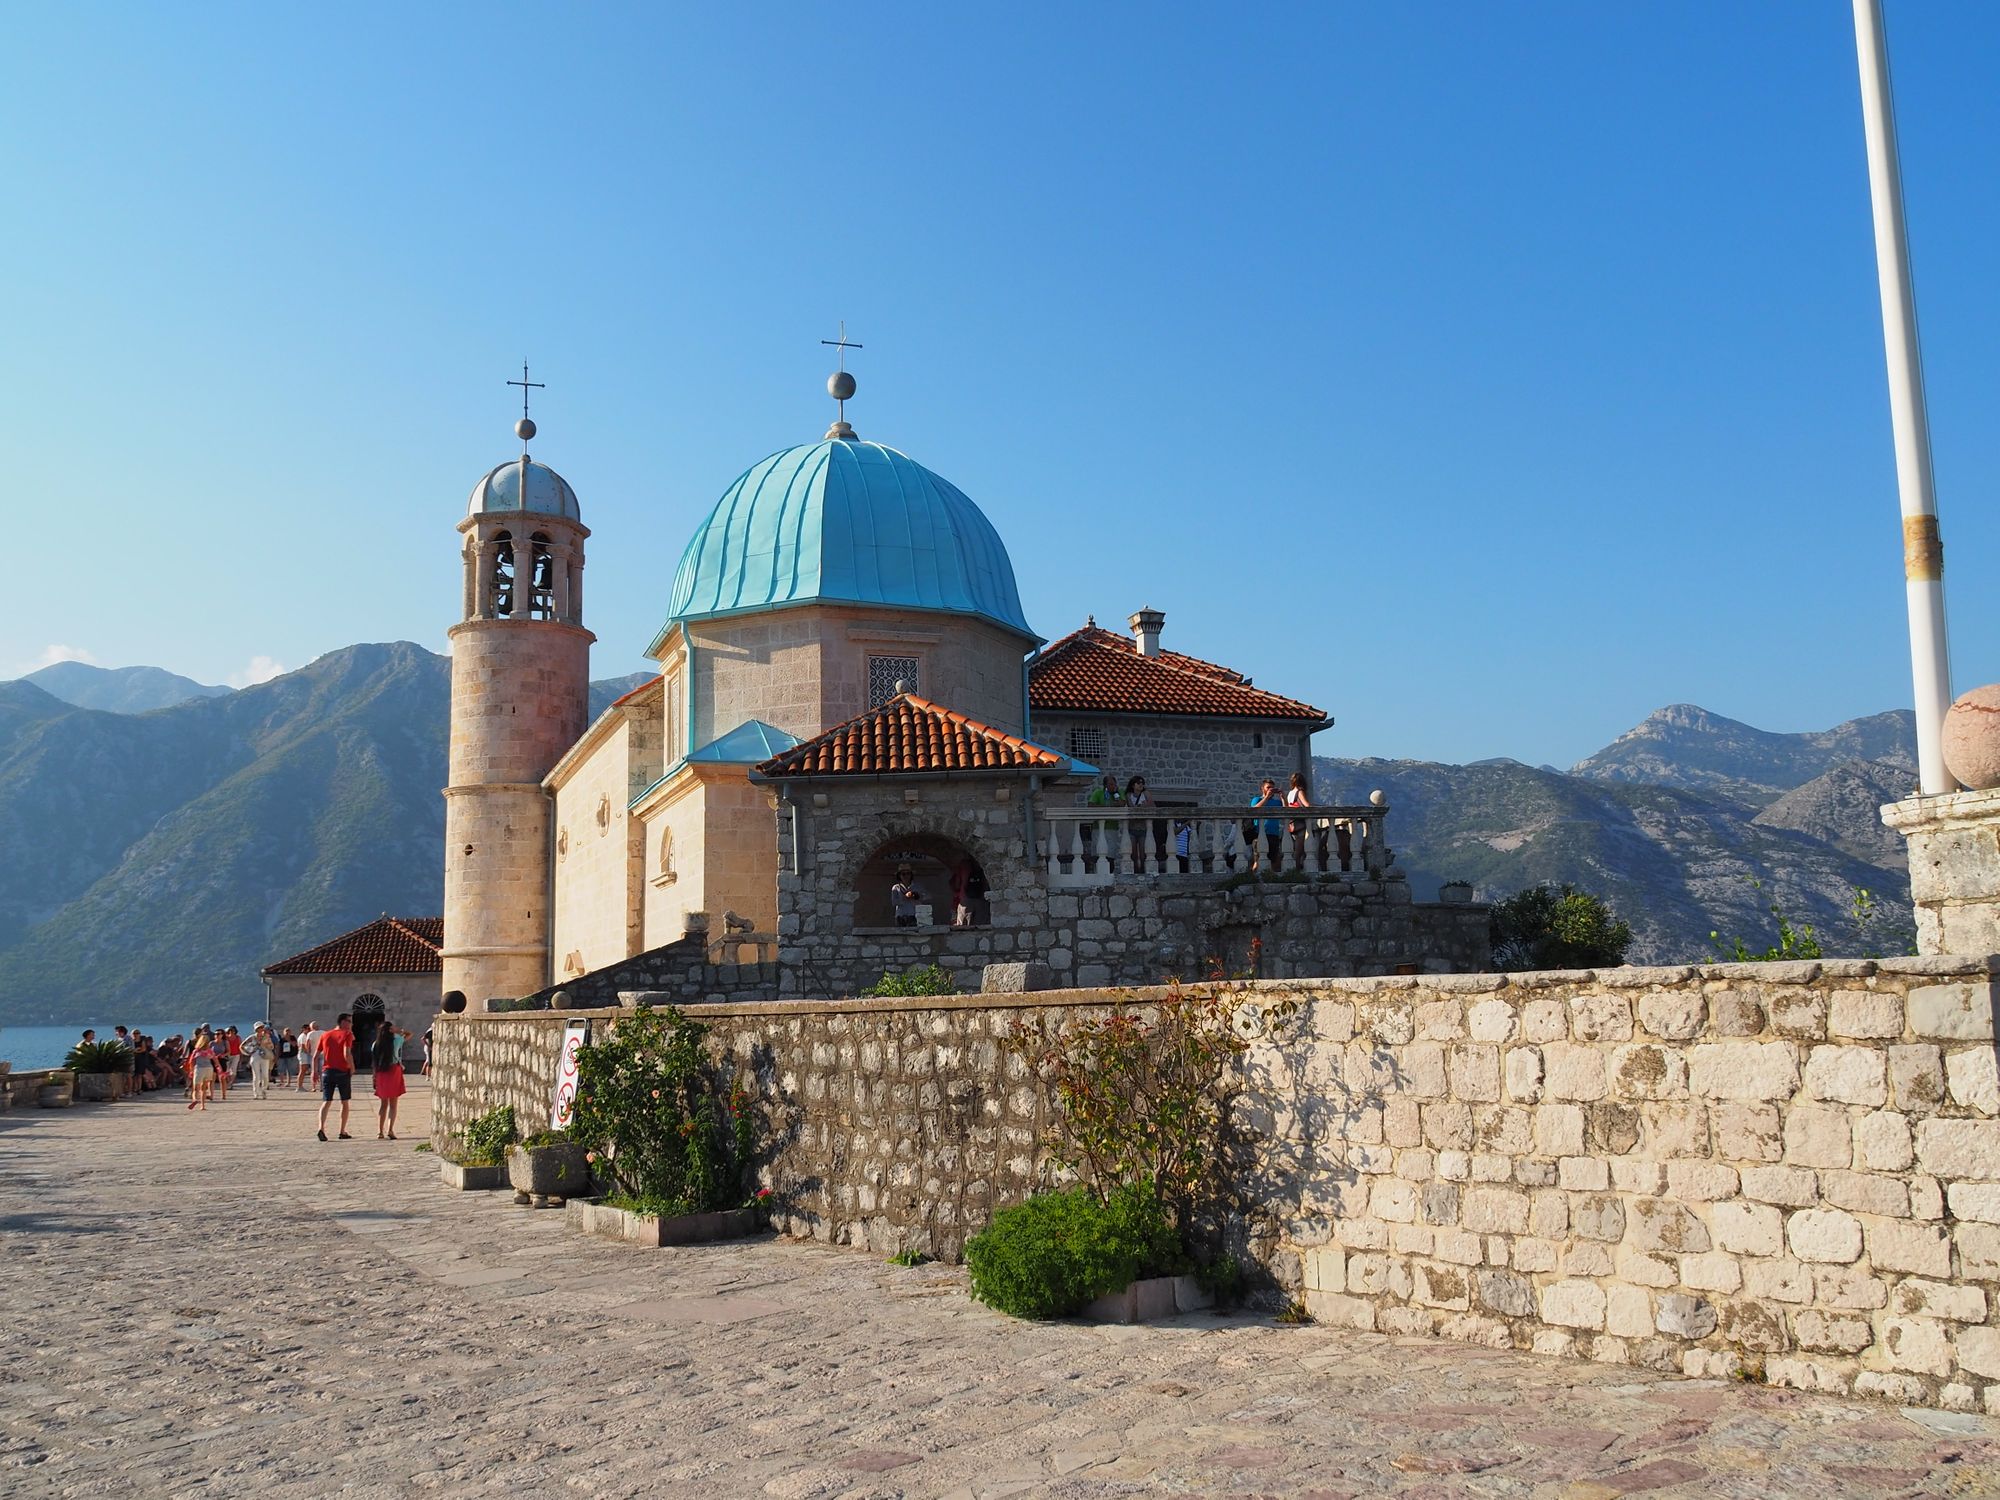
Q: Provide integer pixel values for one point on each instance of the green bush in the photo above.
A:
(931, 979)
(1048, 1256)
(660, 1122)
(99, 1057)
(1557, 927)
(487, 1138)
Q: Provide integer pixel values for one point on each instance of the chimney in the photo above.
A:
(1146, 627)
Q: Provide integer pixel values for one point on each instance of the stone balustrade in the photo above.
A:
(1096, 846)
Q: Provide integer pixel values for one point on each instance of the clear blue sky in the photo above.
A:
(1489, 375)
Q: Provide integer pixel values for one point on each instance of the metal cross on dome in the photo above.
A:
(524, 383)
(843, 344)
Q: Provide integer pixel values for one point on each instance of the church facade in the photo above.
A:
(849, 699)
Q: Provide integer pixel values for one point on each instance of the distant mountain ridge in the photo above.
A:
(118, 690)
(164, 857)
(1671, 823)
(1685, 746)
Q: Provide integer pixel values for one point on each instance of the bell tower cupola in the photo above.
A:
(520, 690)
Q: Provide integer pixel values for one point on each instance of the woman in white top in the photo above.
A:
(1296, 796)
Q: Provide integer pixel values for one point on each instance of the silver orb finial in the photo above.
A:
(840, 386)
(524, 429)
(1378, 798)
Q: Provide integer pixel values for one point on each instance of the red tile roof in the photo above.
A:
(910, 734)
(1095, 670)
(387, 945)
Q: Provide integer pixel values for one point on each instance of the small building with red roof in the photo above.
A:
(390, 967)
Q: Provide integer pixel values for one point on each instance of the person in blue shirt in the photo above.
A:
(1271, 828)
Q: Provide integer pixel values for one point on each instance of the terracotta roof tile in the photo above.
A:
(1094, 670)
(910, 734)
(387, 945)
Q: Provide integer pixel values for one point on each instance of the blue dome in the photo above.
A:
(846, 522)
(549, 493)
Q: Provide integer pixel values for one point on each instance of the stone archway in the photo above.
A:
(931, 858)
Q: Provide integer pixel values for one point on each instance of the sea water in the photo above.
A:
(31, 1047)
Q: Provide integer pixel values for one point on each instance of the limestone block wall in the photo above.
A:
(1131, 934)
(1786, 1169)
(598, 853)
(1954, 869)
(963, 663)
(1223, 760)
(765, 666)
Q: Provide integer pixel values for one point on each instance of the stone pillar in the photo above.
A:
(559, 582)
(1954, 870)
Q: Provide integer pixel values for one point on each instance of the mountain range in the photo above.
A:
(118, 690)
(160, 858)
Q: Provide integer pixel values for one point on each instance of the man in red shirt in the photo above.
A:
(336, 1051)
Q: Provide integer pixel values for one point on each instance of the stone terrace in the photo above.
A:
(418, 1340)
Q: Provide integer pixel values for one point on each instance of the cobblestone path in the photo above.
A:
(218, 1304)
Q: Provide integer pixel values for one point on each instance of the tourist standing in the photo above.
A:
(1104, 794)
(288, 1057)
(1296, 796)
(308, 1058)
(336, 1071)
(202, 1076)
(903, 898)
(427, 1052)
(387, 1056)
(262, 1052)
(1267, 796)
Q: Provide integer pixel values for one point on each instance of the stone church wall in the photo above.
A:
(407, 999)
(1223, 760)
(1791, 1170)
(598, 851)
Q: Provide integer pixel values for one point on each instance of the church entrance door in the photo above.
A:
(367, 1017)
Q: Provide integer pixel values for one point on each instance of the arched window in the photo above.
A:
(541, 579)
(503, 574)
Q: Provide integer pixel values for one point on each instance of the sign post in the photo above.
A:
(576, 1036)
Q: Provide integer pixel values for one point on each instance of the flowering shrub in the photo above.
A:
(1143, 1098)
(660, 1122)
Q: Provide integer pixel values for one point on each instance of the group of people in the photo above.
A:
(968, 890)
(1263, 837)
(209, 1063)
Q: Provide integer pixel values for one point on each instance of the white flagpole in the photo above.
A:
(1923, 554)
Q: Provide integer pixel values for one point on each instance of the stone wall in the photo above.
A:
(1182, 756)
(1786, 1169)
(1954, 869)
(407, 999)
(1140, 932)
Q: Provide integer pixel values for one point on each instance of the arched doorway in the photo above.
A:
(931, 859)
(367, 1015)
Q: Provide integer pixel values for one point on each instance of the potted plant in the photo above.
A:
(1455, 892)
(675, 1145)
(547, 1169)
(56, 1090)
(99, 1067)
(477, 1159)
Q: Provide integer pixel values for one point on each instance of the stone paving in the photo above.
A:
(219, 1304)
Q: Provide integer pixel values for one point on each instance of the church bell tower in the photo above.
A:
(520, 690)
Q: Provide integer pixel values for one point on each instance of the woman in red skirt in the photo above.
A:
(387, 1056)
